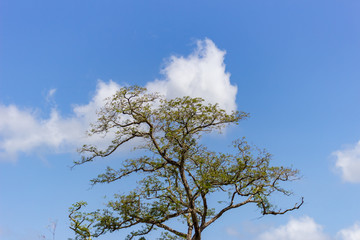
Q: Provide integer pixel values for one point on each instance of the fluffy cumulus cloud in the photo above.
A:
(351, 233)
(103, 91)
(348, 162)
(22, 130)
(296, 229)
(201, 74)
(307, 228)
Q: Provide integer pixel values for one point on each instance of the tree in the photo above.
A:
(178, 175)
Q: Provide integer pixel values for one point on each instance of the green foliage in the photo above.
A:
(180, 173)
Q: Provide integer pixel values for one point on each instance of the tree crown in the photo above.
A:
(180, 173)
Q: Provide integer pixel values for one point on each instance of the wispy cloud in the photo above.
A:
(348, 162)
(232, 231)
(50, 94)
(201, 74)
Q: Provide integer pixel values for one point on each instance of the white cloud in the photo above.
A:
(231, 231)
(296, 229)
(103, 91)
(351, 233)
(24, 131)
(51, 93)
(348, 162)
(307, 228)
(201, 74)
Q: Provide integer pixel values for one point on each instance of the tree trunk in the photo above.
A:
(197, 236)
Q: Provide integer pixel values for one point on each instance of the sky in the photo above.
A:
(293, 65)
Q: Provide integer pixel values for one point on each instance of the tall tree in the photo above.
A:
(178, 175)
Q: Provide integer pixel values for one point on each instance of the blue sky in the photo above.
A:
(293, 65)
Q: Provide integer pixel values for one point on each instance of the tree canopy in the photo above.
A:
(177, 174)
